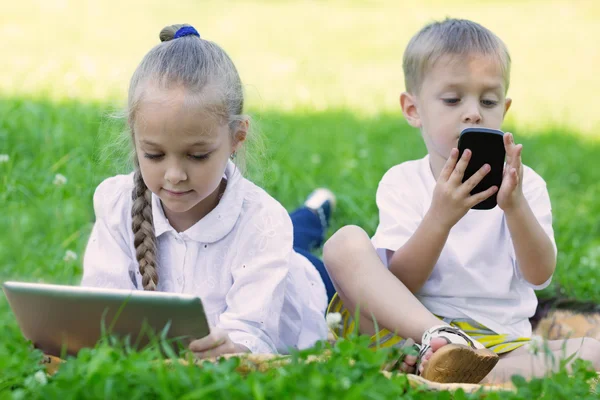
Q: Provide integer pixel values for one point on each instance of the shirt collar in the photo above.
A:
(217, 223)
(430, 181)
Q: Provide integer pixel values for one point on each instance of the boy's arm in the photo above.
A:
(533, 248)
(414, 262)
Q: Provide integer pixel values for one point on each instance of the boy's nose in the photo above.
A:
(472, 117)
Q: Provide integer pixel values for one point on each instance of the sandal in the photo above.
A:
(462, 360)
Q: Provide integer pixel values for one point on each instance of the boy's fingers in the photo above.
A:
(512, 177)
(479, 197)
(513, 151)
(470, 183)
(517, 154)
(461, 166)
(449, 166)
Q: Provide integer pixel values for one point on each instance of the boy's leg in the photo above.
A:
(316, 261)
(522, 362)
(362, 280)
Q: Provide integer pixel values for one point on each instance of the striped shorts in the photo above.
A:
(497, 343)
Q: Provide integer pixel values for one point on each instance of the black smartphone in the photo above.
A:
(487, 147)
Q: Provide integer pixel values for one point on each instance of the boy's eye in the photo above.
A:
(199, 156)
(489, 103)
(153, 156)
(451, 101)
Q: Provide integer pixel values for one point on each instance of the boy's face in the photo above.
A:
(456, 93)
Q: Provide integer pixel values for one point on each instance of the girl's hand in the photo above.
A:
(451, 197)
(510, 195)
(217, 343)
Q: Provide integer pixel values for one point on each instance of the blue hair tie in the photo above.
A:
(186, 31)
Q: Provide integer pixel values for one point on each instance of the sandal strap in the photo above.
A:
(434, 332)
(451, 330)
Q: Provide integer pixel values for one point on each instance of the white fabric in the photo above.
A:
(238, 259)
(477, 275)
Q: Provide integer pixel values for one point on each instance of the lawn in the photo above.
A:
(322, 80)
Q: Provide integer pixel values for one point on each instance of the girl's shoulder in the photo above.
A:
(113, 196)
(260, 205)
(256, 198)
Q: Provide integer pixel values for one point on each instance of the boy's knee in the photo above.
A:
(343, 243)
(590, 350)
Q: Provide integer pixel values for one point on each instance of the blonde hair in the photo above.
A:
(450, 37)
(194, 64)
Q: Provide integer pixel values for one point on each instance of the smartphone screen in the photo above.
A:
(487, 147)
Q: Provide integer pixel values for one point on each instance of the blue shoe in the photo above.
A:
(322, 202)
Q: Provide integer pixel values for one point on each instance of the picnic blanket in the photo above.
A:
(264, 362)
(559, 324)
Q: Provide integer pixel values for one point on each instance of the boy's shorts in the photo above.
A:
(497, 343)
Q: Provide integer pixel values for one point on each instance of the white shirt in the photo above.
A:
(477, 275)
(238, 259)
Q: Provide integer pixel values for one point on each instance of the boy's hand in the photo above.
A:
(510, 195)
(452, 198)
(215, 344)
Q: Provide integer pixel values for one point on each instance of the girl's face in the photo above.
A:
(183, 149)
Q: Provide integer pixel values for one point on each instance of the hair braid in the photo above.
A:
(144, 239)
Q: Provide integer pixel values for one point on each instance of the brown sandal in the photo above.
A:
(462, 360)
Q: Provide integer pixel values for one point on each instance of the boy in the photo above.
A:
(474, 269)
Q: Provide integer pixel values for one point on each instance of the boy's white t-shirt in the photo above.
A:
(477, 275)
(238, 259)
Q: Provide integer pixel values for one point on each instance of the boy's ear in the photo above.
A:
(507, 104)
(240, 134)
(409, 109)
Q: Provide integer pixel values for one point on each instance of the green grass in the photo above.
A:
(323, 80)
(305, 149)
(314, 54)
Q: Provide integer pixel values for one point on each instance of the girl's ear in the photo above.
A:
(240, 134)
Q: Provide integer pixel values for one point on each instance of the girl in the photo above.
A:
(187, 221)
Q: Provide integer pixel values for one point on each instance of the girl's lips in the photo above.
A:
(177, 194)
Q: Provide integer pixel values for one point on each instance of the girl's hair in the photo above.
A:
(194, 64)
(455, 37)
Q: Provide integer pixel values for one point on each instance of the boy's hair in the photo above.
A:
(194, 64)
(450, 37)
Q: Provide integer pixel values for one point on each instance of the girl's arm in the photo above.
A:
(255, 301)
(107, 260)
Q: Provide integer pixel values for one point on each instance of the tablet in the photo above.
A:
(54, 317)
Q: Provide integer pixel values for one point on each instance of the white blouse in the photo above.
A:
(238, 259)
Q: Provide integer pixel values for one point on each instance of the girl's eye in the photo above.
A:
(199, 156)
(451, 101)
(153, 156)
(489, 103)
